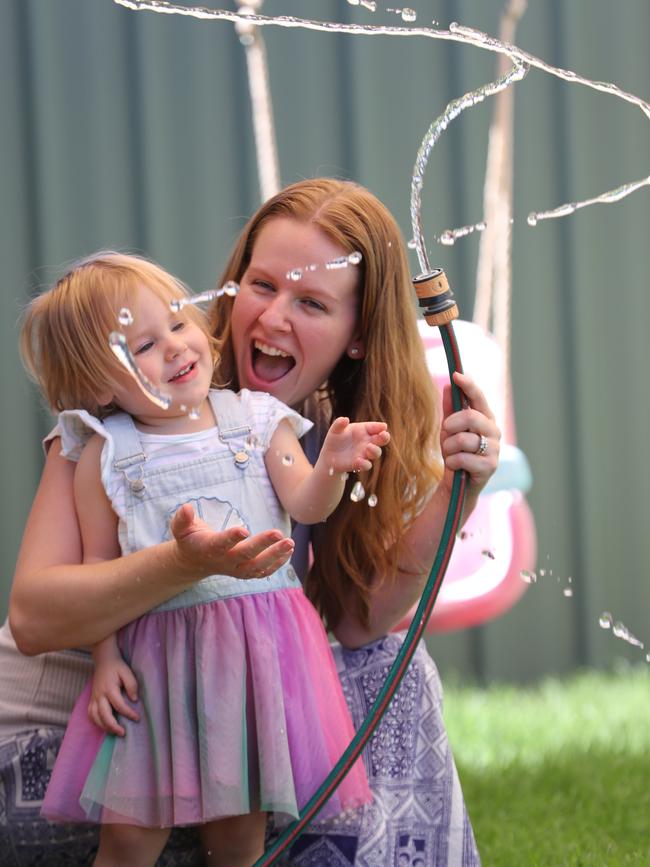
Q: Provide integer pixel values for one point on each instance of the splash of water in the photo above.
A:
(620, 630)
(456, 33)
(610, 196)
(230, 289)
(440, 124)
(118, 344)
(337, 264)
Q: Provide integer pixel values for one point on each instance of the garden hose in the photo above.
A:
(439, 308)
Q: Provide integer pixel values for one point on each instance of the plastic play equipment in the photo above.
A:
(498, 541)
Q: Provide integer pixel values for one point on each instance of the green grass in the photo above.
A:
(557, 775)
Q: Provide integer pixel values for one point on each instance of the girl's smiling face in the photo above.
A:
(172, 352)
(288, 335)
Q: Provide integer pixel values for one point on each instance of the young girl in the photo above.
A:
(236, 706)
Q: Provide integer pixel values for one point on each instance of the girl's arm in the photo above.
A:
(394, 597)
(309, 494)
(98, 531)
(57, 603)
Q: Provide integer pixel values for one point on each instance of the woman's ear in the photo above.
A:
(356, 350)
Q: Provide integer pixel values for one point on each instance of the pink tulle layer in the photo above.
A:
(241, 710)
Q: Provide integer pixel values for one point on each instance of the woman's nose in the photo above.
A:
(276, 314)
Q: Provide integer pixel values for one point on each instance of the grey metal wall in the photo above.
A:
(133, 130)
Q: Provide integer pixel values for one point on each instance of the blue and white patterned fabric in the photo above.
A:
(418, 817)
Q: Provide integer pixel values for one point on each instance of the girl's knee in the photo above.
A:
(238, 840)
(130, 846)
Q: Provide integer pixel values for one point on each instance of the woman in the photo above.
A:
(352, 328)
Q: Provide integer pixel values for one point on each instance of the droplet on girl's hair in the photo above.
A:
(528, 576)
(606, 620)
(125, 317)
(372, 500)
(355, 257)
(295, 274)
(176, 305)
(230, 288)
(287, 460)
(194, 413)
(357, 493)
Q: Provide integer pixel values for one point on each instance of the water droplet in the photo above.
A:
(487, 553)
(230, 288)
(336, 264)
(183, 408)
(194, 413)
(287, 460)
(605, 620)
(176, 305)
(412, 244)
(355, 257)
(119, 345)
(295, 274)
(357, 493)
(568, 591)
(409, 15)
(447, 238)
(532, 219)
(542, 572)
(372, 500)
(528, 576)
(330, 472)
(125, 317)
(251, 441)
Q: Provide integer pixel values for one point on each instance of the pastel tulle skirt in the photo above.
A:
(241, 710)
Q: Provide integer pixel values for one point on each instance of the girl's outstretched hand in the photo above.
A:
(469, 438)
(353, 446)
(204, 551)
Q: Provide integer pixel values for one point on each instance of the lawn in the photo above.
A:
(557, 775)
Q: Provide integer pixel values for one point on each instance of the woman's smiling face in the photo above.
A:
(288, 335)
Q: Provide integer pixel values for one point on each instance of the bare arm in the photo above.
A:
(394, 598)
(310, 494)
(56, 602)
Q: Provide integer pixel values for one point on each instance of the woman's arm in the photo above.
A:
(459, 438)
(57, 603)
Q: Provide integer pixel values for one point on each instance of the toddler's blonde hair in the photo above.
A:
(64, 339)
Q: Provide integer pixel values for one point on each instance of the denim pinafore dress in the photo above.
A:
(240, 703)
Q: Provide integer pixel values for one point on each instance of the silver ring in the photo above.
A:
(482, 446)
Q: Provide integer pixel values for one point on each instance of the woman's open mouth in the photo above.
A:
(269, 362)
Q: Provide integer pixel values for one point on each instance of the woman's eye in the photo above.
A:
(264, 285)
(313, 305)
